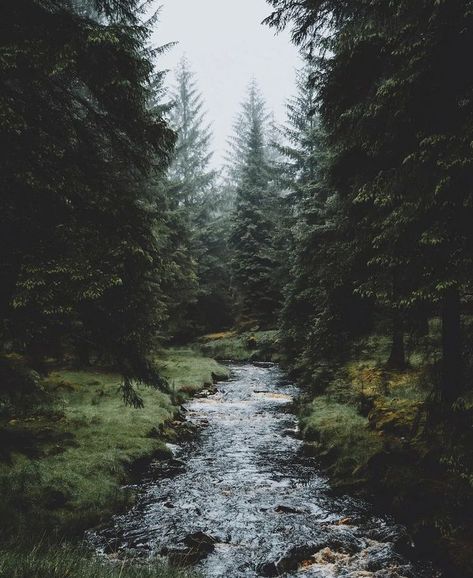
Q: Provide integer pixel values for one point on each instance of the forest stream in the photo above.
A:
(243, 499)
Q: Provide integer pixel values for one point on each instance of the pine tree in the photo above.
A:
(303, 149)
(401, 169)
(252, 240)
(205, 303)
(79, 256)
(302, 157)
(190, 174)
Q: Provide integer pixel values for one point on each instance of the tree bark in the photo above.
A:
(397, 358)
(452, 364)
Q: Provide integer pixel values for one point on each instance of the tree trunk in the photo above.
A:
(36, 356)
(452, 365)
(397, 358)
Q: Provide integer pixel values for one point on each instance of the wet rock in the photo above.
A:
(397, 535)
(207, 392)
(287, 510)
(200, 540)
(194, 549)
(344, 522)
(381, 558)
(167, 468)
(293, 433)
(289, 562)
(269, 569)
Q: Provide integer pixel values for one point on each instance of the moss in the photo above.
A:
(186, 369)
(342, 437)
(62, 471)
(363, 410)
(379, 432)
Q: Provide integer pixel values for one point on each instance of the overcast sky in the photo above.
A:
(227, 45)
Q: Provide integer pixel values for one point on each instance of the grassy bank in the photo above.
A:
(376, 431)
(240, 346)
(68, 562)
(64, 463)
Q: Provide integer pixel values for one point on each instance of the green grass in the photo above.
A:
(342, 436)
(63, 470)
(248, 346)
(186, 370)
(364, 409)
(64, 561)
(382, 433)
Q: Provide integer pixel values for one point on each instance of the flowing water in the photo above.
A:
(242, 499)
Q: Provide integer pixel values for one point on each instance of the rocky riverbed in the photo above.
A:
(243, 500)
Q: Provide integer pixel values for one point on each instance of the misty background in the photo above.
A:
(227, 45)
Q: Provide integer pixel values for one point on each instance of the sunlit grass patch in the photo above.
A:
(366, 408)
(186, 369)
(219, 335)
(63, 471)
(342, 435)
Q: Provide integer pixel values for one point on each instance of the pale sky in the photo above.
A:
(227, 46)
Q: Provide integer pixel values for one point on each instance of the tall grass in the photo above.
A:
(68, 562)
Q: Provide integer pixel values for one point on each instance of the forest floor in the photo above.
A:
(63, 464)
(373, 435)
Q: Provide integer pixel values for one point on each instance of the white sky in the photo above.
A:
(227, 46)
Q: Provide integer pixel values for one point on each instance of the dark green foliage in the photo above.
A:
(320, 314)
(202, 302)
(80, 260)
(395, 105)
(254, 259)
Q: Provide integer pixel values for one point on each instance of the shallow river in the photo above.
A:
(242, 500)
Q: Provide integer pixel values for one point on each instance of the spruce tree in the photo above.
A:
(79, 256)
(302, 158)
(205, 303)
(401, 169)
(252, 239)
(190, 174)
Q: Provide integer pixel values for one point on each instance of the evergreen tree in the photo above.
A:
(190, 174)
(302, 157)
(319, 303)
(252, 238)
(205, 303)
(303, 148)
(401, 169)
(80, 260)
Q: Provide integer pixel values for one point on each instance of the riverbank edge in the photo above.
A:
(365, 443)
(53, 548)
(368, 450)
(241, 346)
